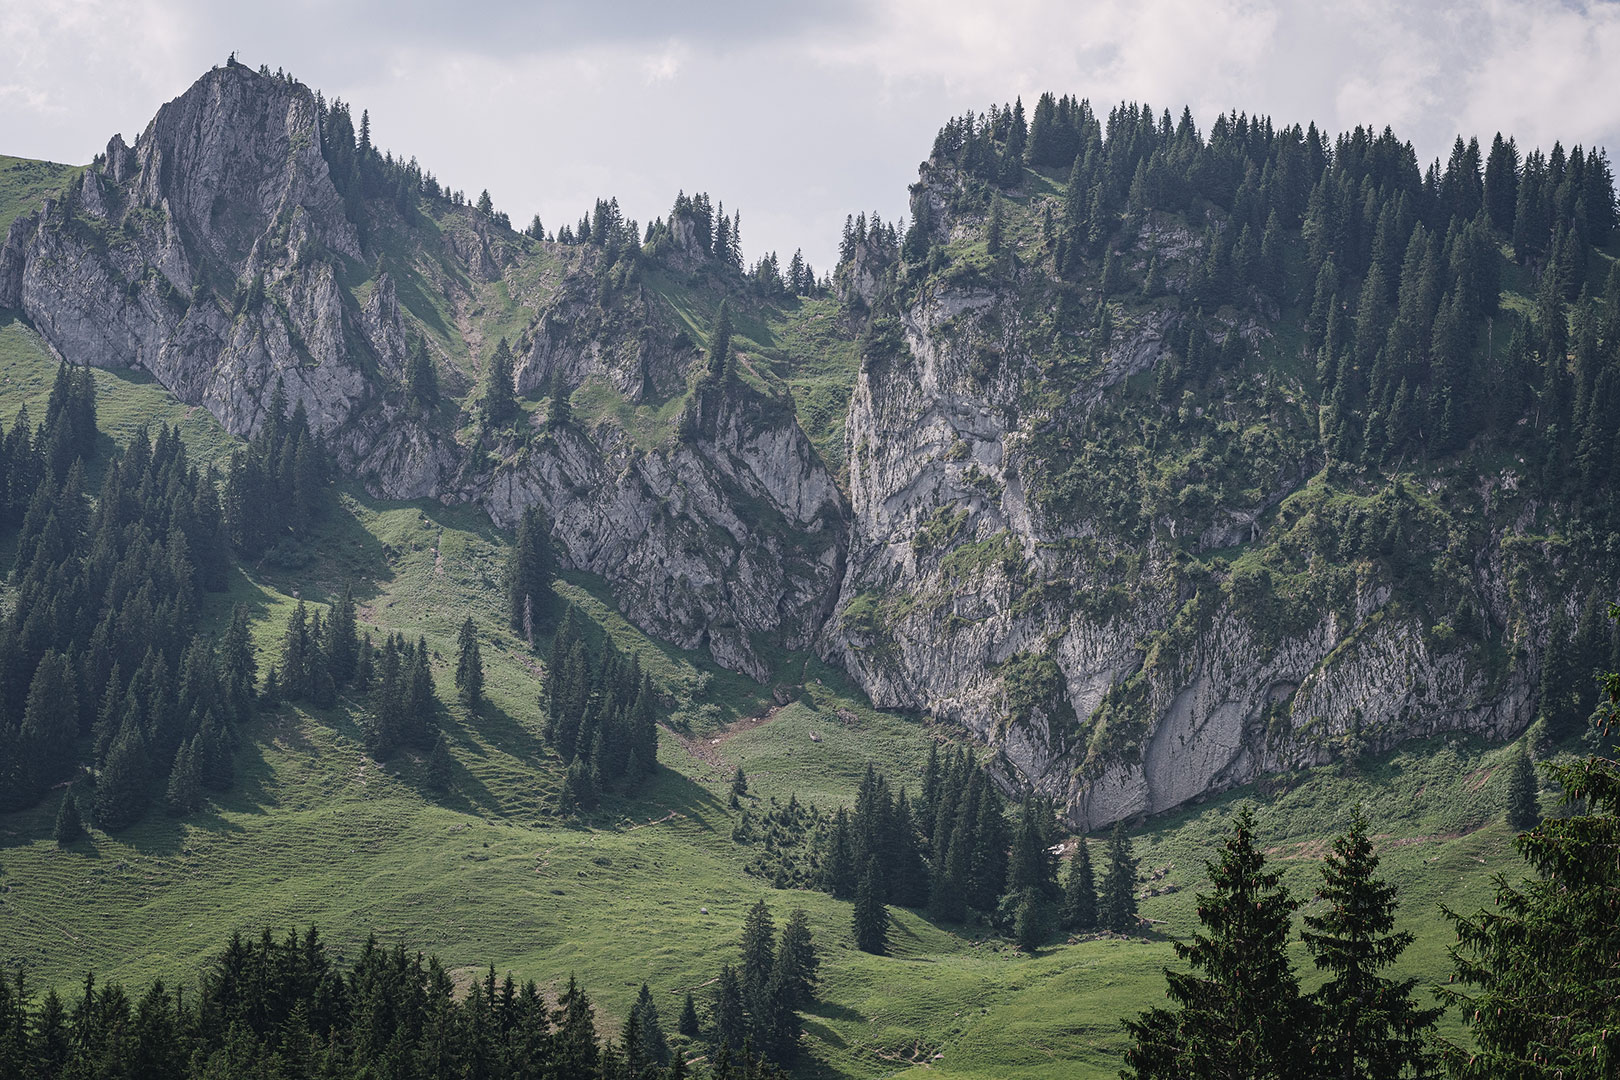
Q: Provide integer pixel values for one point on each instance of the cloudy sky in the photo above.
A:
(798, 113)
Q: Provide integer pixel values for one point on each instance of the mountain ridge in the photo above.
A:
(1132, 617)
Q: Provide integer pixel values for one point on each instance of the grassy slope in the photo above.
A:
(24, 182)
(315, 831)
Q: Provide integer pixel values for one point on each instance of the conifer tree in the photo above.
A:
(688, 1023)
(121, 787)
(1367, 1024)
(718, 370)
(652, 1045)
(758, 956)
(1118, 897)
(1080, 891)
(1523, 803)
(421, 379)
(1539, 965)
(439, 769)
(469, 666)
(69, 821)
(529, 570)
(1238, 1010)
(726, 1016)
(798, 966)
(185, 782)
(871, 917)
(498, 405)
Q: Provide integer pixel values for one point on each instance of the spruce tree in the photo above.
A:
(439, 768)
(1080, 891)
(688, 1023)
(1238, 1011)
(726, 1016)
(798, 966)
(469, 666)
(498, 405)
(1367, 1025)
(529, 570)
(1523, 803)
(121, 787)
(421, 380)
(758, 955)
(69, 821)
(185, 782)
(871, 917)
(652, 1046)
(1118, 898)
(719, 360)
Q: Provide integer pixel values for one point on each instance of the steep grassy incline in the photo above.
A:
(652, 887)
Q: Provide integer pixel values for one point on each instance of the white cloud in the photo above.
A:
(801, 113)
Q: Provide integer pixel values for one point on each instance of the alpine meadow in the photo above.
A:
(1150, 610)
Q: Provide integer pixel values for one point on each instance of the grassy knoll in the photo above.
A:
(652, 886)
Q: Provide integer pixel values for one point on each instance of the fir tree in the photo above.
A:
(727, 1019)
(469, 666)
(719, 361)
(688, 1023)
(798, 966)
(871, 917)
(121, 787)
(1523, 803)
(652, 1046)
(1367, 1025)
(69, 821)
(498, 405)
(1080, 891)
(1238, 1010)
(421, 379)
(185, 782)
(439, 769)
(529, 570)
(1118, 895)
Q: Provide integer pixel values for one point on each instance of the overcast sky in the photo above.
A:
(799, 113)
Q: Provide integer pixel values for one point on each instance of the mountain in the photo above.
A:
(1161, 462)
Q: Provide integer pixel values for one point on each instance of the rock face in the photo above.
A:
(1120, 694)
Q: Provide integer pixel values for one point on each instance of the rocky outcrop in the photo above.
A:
(733, 536)
(1119, 693)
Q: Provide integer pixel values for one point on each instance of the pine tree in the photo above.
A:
(498, 405)
(439, 768)
(529, 570)
(1080, 891)
(1118, 896)
(652, 1046)
(797, 969)
(739, 783)
(469, 666)
(121, 788)
(69, 821)
(871, 917)
(758, 956)
(688, 1023)
(185, 782)
(1238, 1012)
(719, 361)
(1367, 1025)
(1523, 803)
(726, 1016)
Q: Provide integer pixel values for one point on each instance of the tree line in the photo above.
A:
(285, 1008)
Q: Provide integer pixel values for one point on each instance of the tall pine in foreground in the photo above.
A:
(1238, 1011)
(1540, 986)
(1367, 1025)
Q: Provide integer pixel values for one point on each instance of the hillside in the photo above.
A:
(316, 831)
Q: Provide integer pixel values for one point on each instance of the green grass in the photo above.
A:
(24, 183)
(315, 831)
